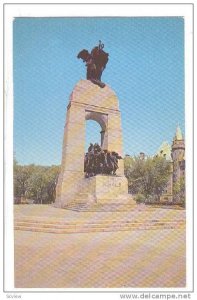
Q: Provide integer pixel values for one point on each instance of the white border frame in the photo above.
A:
(79, 10)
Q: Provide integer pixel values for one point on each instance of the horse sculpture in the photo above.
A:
(98, 161)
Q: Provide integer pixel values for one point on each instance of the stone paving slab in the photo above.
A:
(100, 259)
(146, 258)
(139, 212)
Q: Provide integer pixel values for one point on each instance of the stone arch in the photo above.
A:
(101, 119)
(89, 102)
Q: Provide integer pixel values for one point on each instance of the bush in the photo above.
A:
(152, 199)
(140, 198)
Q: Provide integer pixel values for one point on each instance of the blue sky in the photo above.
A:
(145, 69)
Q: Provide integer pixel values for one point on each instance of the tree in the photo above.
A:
(147, 176)
(21, 177)
(52, 177)
(179, 191)
(128, 163)
(42, 184)
(35, 182)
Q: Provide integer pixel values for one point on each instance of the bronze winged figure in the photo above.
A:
(95, 62)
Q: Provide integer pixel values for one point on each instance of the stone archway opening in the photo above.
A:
(93, 132)
(101, 119)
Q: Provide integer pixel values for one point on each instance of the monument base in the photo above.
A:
(98, 192)
(104, 189)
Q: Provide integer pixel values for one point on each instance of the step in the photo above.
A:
(96, 222)
(112, 207)
(96, 227)
(101, 229)
(100, 207)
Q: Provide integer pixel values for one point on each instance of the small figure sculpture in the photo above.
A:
(91, 148)
(98, 161)
(95, 63)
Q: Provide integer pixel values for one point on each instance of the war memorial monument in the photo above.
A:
(95, 235)
(97, 177)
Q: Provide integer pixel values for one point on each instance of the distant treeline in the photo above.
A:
(147, 181)
(37, 183)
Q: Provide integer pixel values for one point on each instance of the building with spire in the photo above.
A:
(165, 150)
(175, 155)
(178, 155)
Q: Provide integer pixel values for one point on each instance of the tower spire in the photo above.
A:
(178, 134)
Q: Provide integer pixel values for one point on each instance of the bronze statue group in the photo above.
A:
(95, 62)
(99, 161)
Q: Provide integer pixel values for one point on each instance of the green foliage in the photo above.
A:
(35, 182)
(147, 176)
(128, 162)
(21, 177)
(140, 198)
(179, 191)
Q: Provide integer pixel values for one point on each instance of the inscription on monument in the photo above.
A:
(112, 182)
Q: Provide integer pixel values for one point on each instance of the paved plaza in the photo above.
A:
(136, 258)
